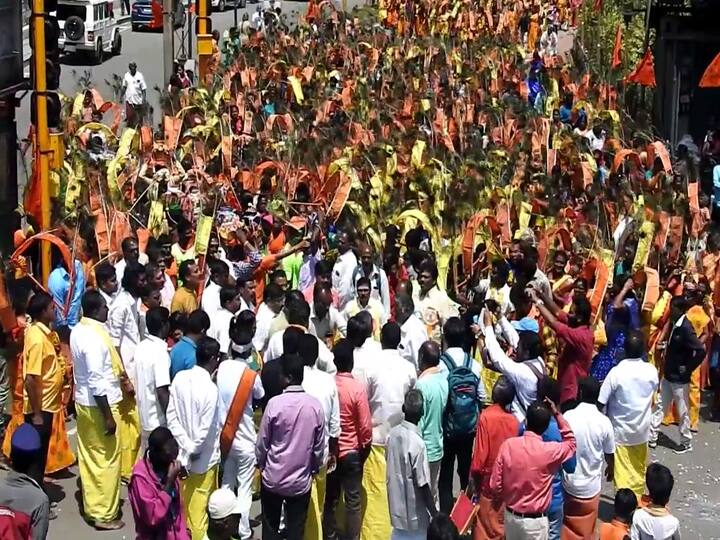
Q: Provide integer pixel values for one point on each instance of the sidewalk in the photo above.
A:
(27, 49)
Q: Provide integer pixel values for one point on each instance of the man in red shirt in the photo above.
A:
(574, 330)
(354, 446)
(524, 470)
(495, 425)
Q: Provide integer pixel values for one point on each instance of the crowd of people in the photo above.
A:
(477, 285)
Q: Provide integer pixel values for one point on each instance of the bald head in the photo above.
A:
(429, 355)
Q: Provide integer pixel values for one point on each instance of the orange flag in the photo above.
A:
(644, 72)
(711, 77)
(617, 50)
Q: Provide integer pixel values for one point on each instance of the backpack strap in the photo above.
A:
(467, 362)
(539, 374)
(449, 364)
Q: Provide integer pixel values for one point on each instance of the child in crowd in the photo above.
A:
(655, 522)
(619, 528)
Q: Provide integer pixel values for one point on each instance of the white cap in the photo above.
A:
(223, 503)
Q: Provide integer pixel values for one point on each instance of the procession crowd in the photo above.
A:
(351, 373)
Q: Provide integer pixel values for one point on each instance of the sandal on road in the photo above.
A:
(108, 525)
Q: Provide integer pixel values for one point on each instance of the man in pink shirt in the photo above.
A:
(523, 473)
(353, 446)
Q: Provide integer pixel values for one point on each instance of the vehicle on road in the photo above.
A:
(89, 26)
(148, 15)
(222, 5)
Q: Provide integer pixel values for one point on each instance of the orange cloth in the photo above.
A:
(60, 456)
(580, 517)
(490, 523)
(615, 530)
(495, 425)
(277, 243)
(266, 264)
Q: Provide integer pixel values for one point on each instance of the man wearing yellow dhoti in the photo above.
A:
(98, 393)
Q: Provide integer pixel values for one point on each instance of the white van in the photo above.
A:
(89, 26)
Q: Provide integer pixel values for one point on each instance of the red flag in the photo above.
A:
(617, 50)
(644, 72)
(711, 77)
(598, 5)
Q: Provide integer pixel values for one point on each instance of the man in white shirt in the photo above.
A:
(387, 384)
(158, 280)
(107, 282)
(595, 444)
(412, 330)
(273, 303)
(342, 278)
(379, 286)
(298, 315)
(627, 396)
(135, 92)
(434, 306)
(326, 322)
(527, 368)
(97, 400)
(364, 302)
(239, 465)
(367, 351)
(131, 255)
(124, 319)
(219, 277)
(321, 386)
(152, 366)
(192, 418)
(230, 302)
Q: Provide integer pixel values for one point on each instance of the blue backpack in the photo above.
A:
(461, 413)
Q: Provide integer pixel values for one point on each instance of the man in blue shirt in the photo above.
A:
(182, 355)
(59, 288)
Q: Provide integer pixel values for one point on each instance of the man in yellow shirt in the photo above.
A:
(185, 297)
(43, 373)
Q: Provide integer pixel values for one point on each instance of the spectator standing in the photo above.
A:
(134, 89)
(152, 363)
(595, 445)
(433, 385)
(99, 375)
(496, 424)
(18, 490)
(412, 504)
(43, 372)
(239, 388)
(192, 419)
(355, 439)
(412, 329)
(290, 450)
(627, 395)
(524, 470)
(154, 490)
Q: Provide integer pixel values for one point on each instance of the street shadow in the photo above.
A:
(667, 442)
(76, 59)
(706, 408)
(606, 508)
(55, 492)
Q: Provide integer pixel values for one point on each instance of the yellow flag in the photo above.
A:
(297, 88)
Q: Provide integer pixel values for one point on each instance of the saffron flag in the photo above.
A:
(644, 72)
(617, 50)
(711, 77)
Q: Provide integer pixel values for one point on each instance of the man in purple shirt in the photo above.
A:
(289, 451)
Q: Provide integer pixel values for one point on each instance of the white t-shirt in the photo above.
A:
(229, 374)
(134, 88)
(152, 367)
(220, 328)
(645, 526)
(321, 386)
(595, 438)
(627, 393)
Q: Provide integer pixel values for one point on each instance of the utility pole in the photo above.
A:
(42, 131)
(168, 40)
(204, 39)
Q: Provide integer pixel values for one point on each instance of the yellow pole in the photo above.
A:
(42, 133)
(204, 40)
